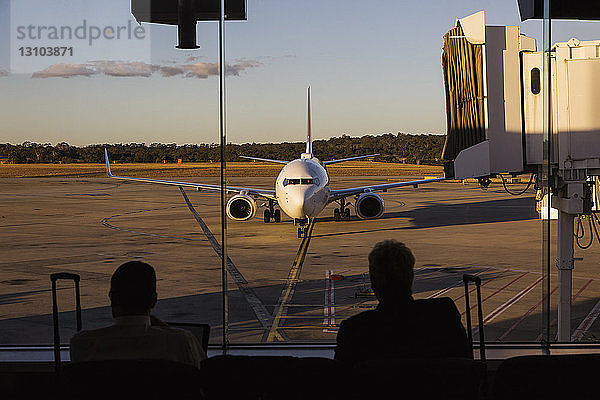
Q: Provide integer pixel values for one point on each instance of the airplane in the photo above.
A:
(301, 190)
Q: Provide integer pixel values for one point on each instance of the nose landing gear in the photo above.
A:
(303, 231)
(303, 227)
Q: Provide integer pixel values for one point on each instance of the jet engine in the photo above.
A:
(241, 207)
(369, 205)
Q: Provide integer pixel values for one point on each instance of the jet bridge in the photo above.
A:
(499, 106)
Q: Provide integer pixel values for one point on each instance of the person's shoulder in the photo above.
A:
(436, 302)
(360, 318)
(183, 334)
(440, 303)
(183, 338)
(90, 333)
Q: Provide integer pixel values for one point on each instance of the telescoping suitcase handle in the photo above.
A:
(63, 276)
(477, 280)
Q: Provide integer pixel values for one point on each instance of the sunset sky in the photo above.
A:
(374, 67)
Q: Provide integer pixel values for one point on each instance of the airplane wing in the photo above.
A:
(338, 194)
(265, 159)
(348, 159)
(268, 194)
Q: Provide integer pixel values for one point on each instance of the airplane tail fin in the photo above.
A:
(308, 127)
(110, 175)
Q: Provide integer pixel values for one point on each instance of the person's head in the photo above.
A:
(391, 270)
(133, 289)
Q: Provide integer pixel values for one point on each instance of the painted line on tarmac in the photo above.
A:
(572, 301)
(257, 306)
(491, 316)
(497, 291)
(329, 307)
(105, 222)
(586, 323)
(472, 290)
(457, 285)
(582, 329)
(555, 320)
(532, 309)
(290, 285)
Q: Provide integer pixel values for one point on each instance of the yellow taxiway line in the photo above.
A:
(290, 286)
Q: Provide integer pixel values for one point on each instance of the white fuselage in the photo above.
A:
(302, 188)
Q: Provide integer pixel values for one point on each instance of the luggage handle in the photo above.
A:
(63, 276)
(477, 280)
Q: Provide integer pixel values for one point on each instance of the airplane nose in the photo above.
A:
(294, 203)
(300, 203)
(308, 203)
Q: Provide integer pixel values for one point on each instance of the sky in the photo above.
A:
(373, 66)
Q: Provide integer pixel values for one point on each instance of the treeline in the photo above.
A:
(414, 149)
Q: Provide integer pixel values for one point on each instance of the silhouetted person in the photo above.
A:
(400, 327)
(135, 334)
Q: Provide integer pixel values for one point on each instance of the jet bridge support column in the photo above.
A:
(570, 203)
(564, 263)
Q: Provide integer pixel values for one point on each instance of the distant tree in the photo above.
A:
(401, 147)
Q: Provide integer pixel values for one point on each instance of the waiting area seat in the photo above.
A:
(434, 378)
(274, 377)
(287, 377)
(571, 376)
(227, 377)
(130, 379)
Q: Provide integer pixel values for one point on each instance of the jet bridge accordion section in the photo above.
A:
(482, 79)
(462, 63)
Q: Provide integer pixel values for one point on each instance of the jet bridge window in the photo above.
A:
(535, 81)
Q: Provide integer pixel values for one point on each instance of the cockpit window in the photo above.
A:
(287, 181)
(300, 181)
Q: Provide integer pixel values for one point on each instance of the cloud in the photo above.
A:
(201, 70)
(235, 69)
(205, 69)
(193, 58)
(115, 68)
(65, 71)
(110, 68)
(171, 71)
(198, 69)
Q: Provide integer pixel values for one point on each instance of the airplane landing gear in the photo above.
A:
(302, 232)
(342, 213)
(272, 214)
(303, 228)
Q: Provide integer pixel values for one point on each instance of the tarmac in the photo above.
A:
(90, 226)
